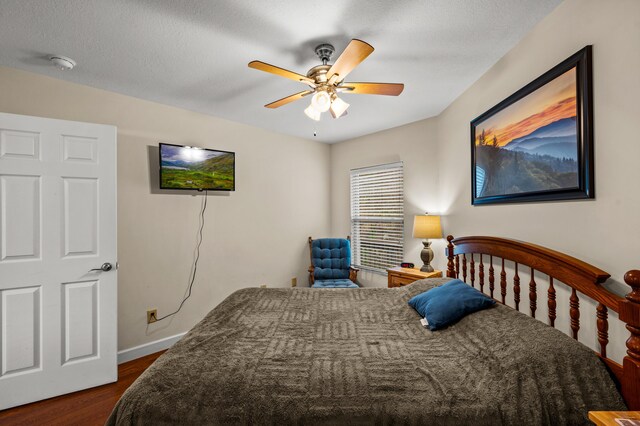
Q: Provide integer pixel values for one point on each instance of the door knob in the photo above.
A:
(105, 267)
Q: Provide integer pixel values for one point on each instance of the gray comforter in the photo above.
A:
(344, 356)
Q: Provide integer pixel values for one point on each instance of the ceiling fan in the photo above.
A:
(327, 81)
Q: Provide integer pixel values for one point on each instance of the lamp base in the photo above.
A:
(427, 256)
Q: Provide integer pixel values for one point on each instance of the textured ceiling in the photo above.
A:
(194, 54)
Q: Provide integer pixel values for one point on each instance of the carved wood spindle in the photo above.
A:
(516, 288)
(464, 267)
(574, 313)
(603, 328)
(457, 266)
(503, 283)
(481, 274)
(491, 276)
(450, 271)
(630, 314)
(533, 296)
(472, 270)
(552, 303)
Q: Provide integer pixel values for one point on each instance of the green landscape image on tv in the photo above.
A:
(184, 167)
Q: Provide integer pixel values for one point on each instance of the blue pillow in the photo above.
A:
(449, 303)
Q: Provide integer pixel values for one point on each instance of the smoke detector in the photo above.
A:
(62, 62)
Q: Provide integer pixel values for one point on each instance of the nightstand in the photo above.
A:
(402, 276)
(608, 418)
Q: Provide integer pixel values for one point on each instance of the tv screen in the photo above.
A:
(185, 167)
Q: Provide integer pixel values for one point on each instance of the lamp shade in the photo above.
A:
(338, 107)
(321, 101)
(312, 113)
(425, 226)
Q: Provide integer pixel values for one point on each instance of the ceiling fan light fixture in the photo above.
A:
(321, 101)
(338, 107)
(326, 81)
(312, 113)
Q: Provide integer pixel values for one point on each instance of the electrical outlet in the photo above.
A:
(263, 286)
(294, 282)
(152, 316)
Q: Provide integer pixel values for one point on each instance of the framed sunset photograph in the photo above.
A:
(537, 145)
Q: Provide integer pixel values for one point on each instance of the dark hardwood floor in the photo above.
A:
(87, 407)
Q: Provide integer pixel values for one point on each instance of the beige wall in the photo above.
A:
(255, 235)
(416, 146)
(604, 231)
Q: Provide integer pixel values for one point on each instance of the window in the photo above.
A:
(377, 216)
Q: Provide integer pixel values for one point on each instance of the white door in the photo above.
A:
(57, 222)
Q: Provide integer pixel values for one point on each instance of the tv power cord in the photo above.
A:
(195, 262)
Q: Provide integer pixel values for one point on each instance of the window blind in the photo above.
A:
(377, 216)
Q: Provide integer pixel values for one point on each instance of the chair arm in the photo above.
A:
(353, 274)
(311, 269)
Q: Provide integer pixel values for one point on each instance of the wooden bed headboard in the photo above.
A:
(581, 277)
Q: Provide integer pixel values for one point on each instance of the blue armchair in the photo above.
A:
(331, 263)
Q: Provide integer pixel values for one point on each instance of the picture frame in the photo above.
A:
(537, 144)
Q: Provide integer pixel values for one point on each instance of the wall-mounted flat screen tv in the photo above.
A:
(185, 167)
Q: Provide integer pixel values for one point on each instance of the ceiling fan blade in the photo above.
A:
(389, 89)
(356, 52)
(263, 66)
(288, 99)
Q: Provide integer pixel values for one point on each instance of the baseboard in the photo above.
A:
(148, 348)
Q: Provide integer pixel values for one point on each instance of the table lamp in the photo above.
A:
(425, 226)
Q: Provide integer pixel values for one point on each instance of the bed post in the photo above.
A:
(630, 314)
(451, 272)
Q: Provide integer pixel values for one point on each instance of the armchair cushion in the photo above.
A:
(334, 284)
(331, 258)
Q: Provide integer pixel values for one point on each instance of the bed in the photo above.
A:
(339, 356)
